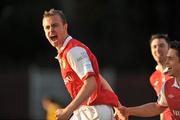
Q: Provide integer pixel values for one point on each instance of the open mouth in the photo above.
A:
(53, 38)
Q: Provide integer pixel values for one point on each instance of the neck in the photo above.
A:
(178, 80)
(60, 45)
(161, 67)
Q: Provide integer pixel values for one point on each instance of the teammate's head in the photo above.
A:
(159, 44)
(173, 59)
(176, 46)
(55, 27)
(159, 36)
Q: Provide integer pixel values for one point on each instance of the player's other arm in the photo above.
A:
(106, 85)
(146, 110)
(117, 113)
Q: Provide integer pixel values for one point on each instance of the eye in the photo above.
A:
(154, 46)
(161, 45)
(54, 25)
(46, 27)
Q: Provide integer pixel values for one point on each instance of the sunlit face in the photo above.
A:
(55, 30)
(173, 63)
(159, 49)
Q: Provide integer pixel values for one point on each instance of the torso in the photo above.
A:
(77, 63)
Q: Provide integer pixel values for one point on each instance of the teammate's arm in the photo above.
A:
(146, 110)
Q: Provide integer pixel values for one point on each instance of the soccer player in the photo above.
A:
(92, 97)
(170, 91)
(159, 44)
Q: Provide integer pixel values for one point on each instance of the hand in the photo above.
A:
(62, 114)
(121, 113)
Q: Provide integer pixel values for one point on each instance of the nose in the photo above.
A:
(158, 48)
(51, 29)
(167, 61)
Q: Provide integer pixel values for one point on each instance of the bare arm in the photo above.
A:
(84, 93)
(117, 114)
(105, 83)
(146, 110)
(107, 86)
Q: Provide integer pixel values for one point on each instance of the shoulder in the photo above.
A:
(75, 42)
(77, 50)
(155, 76)
(72, 44)
(77, 54)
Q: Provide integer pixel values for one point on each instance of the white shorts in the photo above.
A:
(96, 112)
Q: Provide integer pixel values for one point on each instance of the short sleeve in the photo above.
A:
(79, 61)
(161, 98)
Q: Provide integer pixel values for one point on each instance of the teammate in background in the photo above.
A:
(159, 44)
(92, 97)
(50, 106)
(170, 91)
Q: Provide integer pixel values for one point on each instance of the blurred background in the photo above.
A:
(117, 31)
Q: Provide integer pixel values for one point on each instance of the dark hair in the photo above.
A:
(159, 36)
(53, 12)
(176, 46)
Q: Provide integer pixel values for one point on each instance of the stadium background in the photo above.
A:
(117, 31)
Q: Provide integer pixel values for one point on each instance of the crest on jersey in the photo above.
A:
(171, 96)
(63, 63)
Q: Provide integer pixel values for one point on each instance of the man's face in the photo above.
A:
(55, 30)
(159, 49)
(173, 63)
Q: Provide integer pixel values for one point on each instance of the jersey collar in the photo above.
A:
(175, 84)
(64, 45)
(157, 68)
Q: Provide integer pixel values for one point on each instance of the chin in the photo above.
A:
(170, 74)
(56, 45)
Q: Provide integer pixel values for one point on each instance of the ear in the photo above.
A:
(66, 26)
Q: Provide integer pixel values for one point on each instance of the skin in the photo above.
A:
(159, 49)
(46, 103)
(55, 30)
(173, 62)
(117, 113)
(56, 33)
(86, 90)
(152, 109)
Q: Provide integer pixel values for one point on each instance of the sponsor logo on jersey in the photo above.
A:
(176, 112)
(83, 55)
(88, 66)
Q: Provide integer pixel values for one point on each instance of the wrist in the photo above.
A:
(69, 109)
(119, 104)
